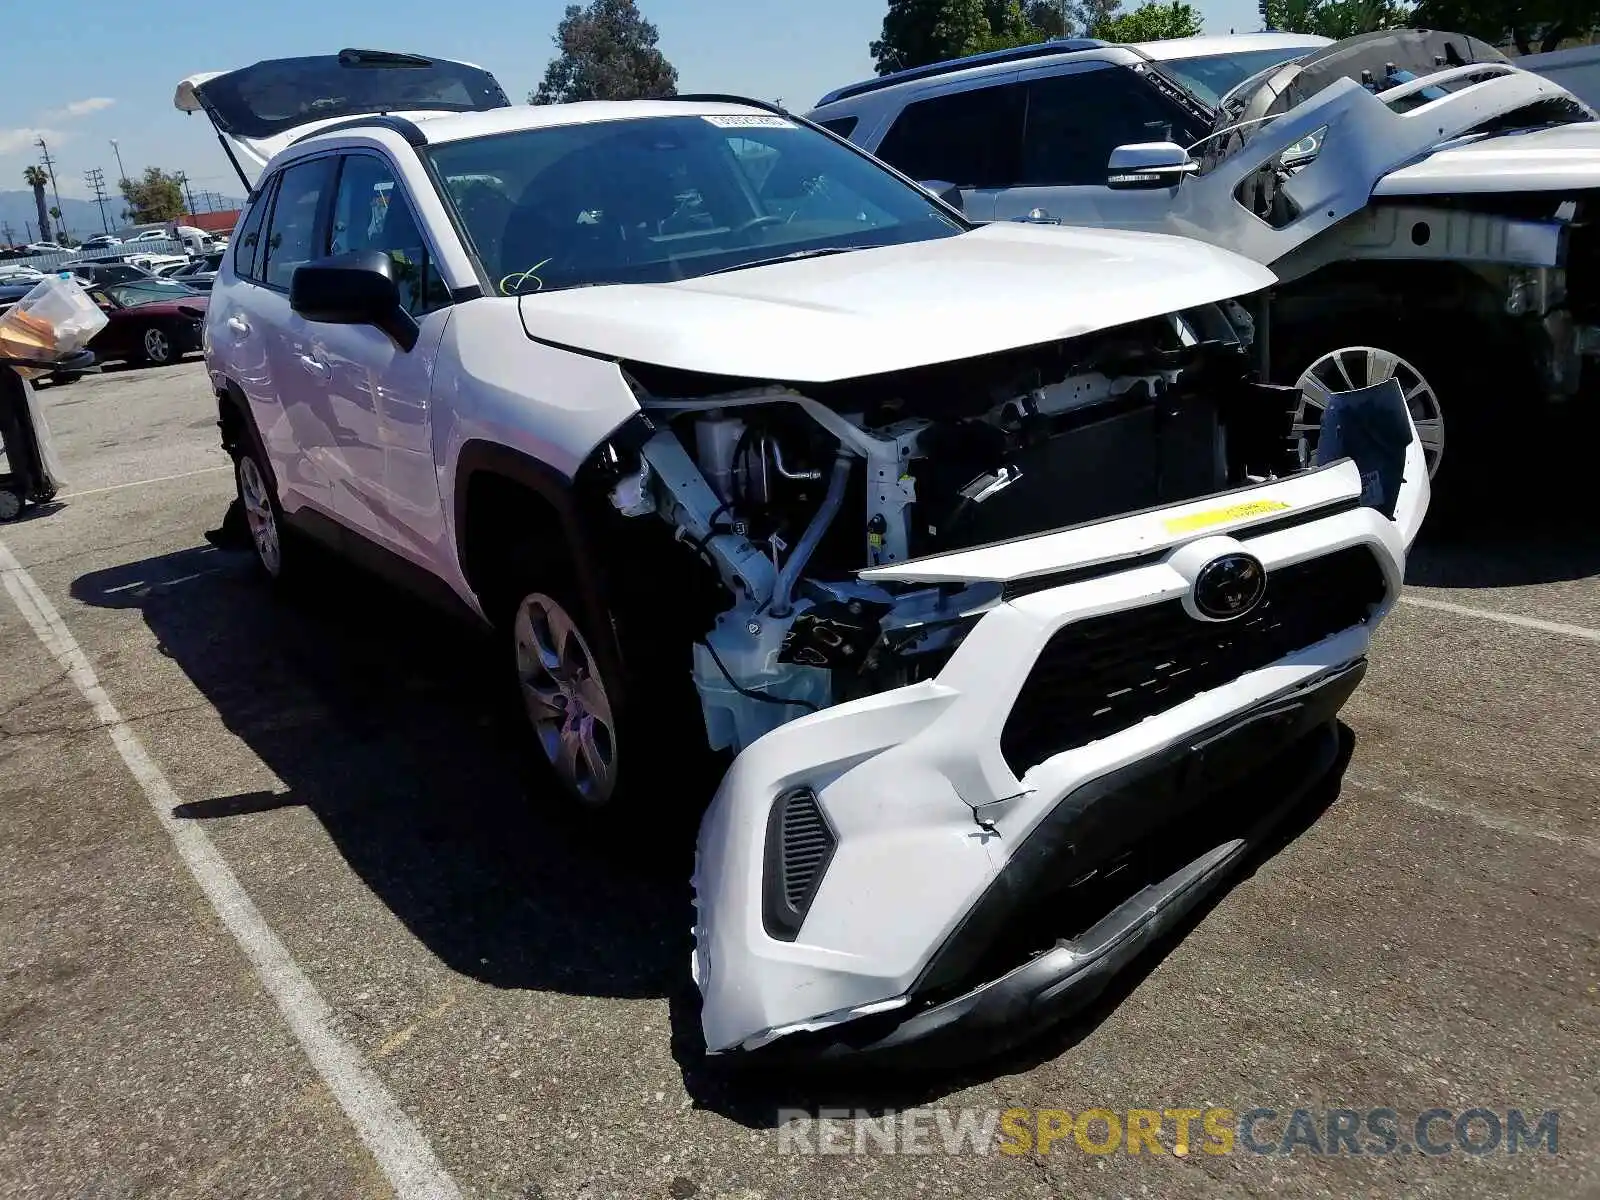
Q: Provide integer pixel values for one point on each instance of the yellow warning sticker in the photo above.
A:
(1221, 516)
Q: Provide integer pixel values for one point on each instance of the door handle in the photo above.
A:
(239, 325)
(316, 366)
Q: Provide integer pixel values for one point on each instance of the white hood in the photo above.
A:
(1562, 158)
(869, 311)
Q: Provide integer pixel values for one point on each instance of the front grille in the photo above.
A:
(1104, 674)
(800, 844)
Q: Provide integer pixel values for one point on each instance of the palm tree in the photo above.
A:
(38, 180)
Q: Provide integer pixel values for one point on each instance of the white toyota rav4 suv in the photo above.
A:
(977, 549)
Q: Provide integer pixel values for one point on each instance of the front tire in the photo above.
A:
(623, 748)
(1451, 392)
(567, 701)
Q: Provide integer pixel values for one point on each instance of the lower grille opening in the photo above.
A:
(1100, 676)
(800, 844)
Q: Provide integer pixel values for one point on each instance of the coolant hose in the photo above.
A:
(831, 502)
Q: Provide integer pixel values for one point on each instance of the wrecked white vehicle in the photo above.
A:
(977, 549)
(1427, 206)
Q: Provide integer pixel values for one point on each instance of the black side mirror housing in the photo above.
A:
(942, 189)
(355, 288)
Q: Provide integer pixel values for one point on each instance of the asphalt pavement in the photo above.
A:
(277, 917)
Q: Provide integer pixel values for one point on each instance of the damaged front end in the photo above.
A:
(984, 633)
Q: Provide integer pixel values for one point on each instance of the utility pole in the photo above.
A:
(183, 180)
(8, 233)
(117, 150)
(96, 181)
(50, 170)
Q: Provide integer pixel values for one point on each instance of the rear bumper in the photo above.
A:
(1274, 755)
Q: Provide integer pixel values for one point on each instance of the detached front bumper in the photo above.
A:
(1294, 744)
(941, 869)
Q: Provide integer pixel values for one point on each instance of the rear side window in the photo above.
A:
(292, 231)
(247, 250)
(970, 139)
(843, 126)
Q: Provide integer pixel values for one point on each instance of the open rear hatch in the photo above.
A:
(260, 109)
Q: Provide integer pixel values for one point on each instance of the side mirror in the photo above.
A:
(357, 288)
(941, 189)
(1149, 165)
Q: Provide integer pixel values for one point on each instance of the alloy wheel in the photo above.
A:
(157, 345)
(259, 516)
(1353, 367)
(566, 699)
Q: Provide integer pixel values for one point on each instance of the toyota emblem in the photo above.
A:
(1230, 586)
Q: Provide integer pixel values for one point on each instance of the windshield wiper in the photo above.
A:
(792, 256)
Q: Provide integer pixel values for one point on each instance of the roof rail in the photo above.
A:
(406, 129)
(987, 58)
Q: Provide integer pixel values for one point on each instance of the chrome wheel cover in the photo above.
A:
(1352, 367)
(566, 699)
(259, 516)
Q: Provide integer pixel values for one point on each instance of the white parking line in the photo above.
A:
(399, 1147)
(1581, 632)
(117, 487)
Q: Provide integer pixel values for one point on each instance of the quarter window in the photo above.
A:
(371, 212)
(246, 253)
(843, 126)
(292, 232)
(966, 138)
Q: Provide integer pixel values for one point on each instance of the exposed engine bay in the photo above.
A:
(788, 494)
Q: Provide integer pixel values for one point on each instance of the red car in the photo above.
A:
(153, 321)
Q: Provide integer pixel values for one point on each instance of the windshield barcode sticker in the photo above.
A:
(751, 121)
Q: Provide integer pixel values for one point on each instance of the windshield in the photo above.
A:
(148, 291)
(1215, 75)
(656, 199)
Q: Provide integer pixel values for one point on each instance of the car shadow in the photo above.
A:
(391, 724)
(1529, 526)
(1556, 545)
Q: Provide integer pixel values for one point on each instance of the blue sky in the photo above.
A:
(79, 101)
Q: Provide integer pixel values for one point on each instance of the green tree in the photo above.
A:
(1153, 22)
(1535, 26)
(608, 52)
(918, 32)
(157, 196)
(1335, 18)
(1050, 19)
(1097, 16)
(1008, 26)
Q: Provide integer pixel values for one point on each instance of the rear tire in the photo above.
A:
(270, 542)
